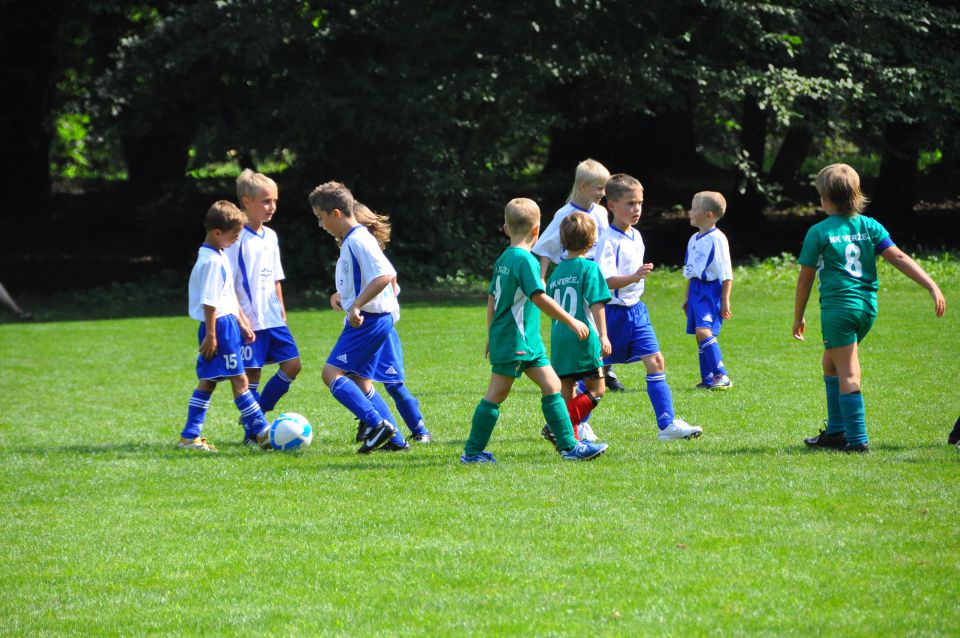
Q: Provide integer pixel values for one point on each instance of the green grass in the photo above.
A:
(107, 529)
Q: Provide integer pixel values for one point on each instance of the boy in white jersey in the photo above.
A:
(363, 278)
(620, 257)
(709, 274)
(255, 259)
(213, 302)
(588, 187)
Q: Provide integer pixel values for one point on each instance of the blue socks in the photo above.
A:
(407, 406)
(252, 387)
(352, 398)
(250, 413)
(384, 410)
(196, 412)
(660, 398)
(854, 418)
(834, 416)
(276, 387)
(711, 361)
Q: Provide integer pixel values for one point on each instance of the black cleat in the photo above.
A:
(390, 446)
(547, 433)
(374, 437)
(614, 384)
(836, 441)
(860, 448)
(954, 437)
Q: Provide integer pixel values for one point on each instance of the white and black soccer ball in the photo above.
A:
(290, 431)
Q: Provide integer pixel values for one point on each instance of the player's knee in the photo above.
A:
(239, 384)
(291, 368)
(654, 363)
(330, 374)
(703, 334)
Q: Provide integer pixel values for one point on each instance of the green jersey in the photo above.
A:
(515, 329)
(575, 285)
(844, 251)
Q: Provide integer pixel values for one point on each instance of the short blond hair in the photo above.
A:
(330, 196)
(224, 216)
(521, 215)
(578, 231)
(710, 201)
(841, 185)
(619, 185)
(250, 184)
(589, 171)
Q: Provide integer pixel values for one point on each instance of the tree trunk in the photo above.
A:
(793, 151)
(747, 206)
(896, 188)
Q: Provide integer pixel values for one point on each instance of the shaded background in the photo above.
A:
(121, 122)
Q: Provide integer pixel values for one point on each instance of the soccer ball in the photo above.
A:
(290, 431)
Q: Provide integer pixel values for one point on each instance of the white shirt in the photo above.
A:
(255, 259)
(708, 257)
(211, 284)
(360, 262)
(621, 253)
(548, 245)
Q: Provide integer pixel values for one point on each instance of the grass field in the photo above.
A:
(107, 529)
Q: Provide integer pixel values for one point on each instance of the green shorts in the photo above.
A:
(843, 326)
(515, 368)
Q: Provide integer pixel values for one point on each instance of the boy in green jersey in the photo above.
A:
(513, 342)
(578, 286)
(843, 249)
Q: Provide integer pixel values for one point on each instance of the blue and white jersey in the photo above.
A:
(361, 261)
(255, 259)
(708, 257)
(621, 253)
(548, 245)
(211, 284)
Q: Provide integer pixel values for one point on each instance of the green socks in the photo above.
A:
(854, 417)
(834, 417)
(484, 420)
(555, 411)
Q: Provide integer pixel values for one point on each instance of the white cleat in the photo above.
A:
(585, 432)
(679, 429)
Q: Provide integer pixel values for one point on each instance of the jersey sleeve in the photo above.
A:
(810, 252)
(595, 289)
(722, 257)
(211, 282)
(880, 237)
(607, 257)
(373, 263)
(528, 277)
(549, 243)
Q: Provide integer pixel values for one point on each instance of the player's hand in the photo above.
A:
(335, 301)
(354, 316)
(208, 347)
(940, 304)
(605, 347)
(725, 310)
(798, 326)
(582, 330)
(643, 271)
(249, 336)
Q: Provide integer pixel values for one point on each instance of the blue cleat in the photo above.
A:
(584, 451)
(480, 457)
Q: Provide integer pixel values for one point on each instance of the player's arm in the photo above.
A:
(283, 307)
(804, 285)
(725, 290)
(491, 300)
(686, 297)
(374, 288)
(622, 281)
(554, 311)
(902, 262)
(599, 312)
(544, 266)
(208, 347)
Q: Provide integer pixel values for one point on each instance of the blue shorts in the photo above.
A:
(227, 362)
(357, 350)
(703, 306)
(630, 332)
(390, 362)
(272, 345)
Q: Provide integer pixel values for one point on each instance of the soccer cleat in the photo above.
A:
(613, 383)
(585, 432)
(547, 433)
(584, 451)
(954, 437)
(195, 444)
(480, 457)
(679, 429)
(720, 382)
(837, 441)
(422, 437)
(378, 436)
(390, 446)
(360, 428)
(859, 448)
